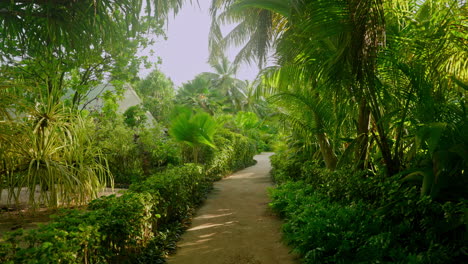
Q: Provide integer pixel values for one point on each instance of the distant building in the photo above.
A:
(130, 98)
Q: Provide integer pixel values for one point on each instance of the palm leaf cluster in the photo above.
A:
(194, 130)
(383, 82)
(218, 91)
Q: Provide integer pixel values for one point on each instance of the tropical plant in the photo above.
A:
(50, 47)
(135, 116)
(197, 93)
(55, 157)
(331, 48)
(193, 130)
(225, 84)
(157, 93)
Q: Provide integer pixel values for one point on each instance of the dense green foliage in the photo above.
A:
(371, 160)
(345, 217)
(372, 98)
(52, 152)
(235, 153)
(49, 51)
(362, 83)
(157, 93)
(134, 155)
(56, 58)
(141, 225)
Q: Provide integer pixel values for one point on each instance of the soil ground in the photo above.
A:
(235, 225)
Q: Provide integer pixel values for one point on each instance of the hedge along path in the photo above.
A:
(235, 225)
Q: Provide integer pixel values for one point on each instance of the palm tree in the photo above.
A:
(422, 73)
(254, 102)
(223, 81)
(198, 93)
(355, 55)
(307, 116)
(335, 46)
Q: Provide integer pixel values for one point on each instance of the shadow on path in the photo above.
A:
(235, 225)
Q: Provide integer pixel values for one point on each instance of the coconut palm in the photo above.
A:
(334, 46)
(224, 82)
(356, 54)
(198, 93)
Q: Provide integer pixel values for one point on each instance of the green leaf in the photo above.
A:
(431, 135)
(281, 7)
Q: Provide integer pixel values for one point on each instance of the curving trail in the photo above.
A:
(235, 225)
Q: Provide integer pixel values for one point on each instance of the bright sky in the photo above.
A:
(185, 53)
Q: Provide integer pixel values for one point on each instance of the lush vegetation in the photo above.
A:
(365, 107)
(141, 226)
(169, 172)
(372, 95)
(64, 136)
(354, 217)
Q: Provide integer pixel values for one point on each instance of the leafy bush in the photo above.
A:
(178, 189)
(112, 228)
(234, 152)
(323, 231)
(48, 244)
(340, 217)
(140, 226)
(345, 185)
(135, 116)
(157, 150)
(134, 155)
(286, 167)
(125, 220)
(117, 143)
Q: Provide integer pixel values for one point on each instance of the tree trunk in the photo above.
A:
(363, 134)
(325, 148)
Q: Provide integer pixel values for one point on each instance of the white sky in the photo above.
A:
(185, 53)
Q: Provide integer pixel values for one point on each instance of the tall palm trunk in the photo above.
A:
(325, 148)
(368, 24)
(363, 133)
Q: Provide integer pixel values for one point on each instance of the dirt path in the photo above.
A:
(235, 226)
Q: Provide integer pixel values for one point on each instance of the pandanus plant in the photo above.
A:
(53, 156)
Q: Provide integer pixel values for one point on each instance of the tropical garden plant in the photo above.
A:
(376, 88)
(193, 130)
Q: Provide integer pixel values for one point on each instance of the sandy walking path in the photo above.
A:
(235, 225)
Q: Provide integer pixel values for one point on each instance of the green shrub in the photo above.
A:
(54, 243)
(140, 226)
(400, 227)
(322, 231)
(286, 167)
(134, 155)
(234, 152)
(160, 149)
(125, 220)
(135, 116)
(345, 185)
(178, 188)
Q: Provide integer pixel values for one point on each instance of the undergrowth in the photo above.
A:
(141, 226)
(346, 217)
